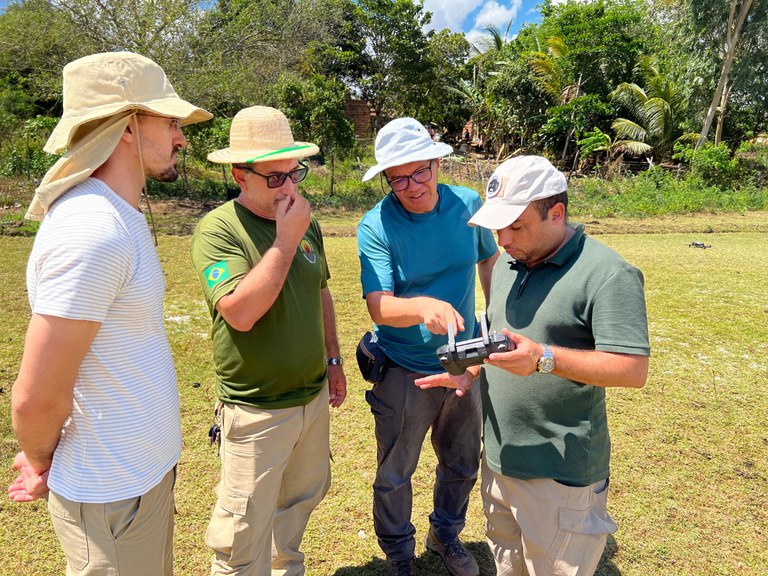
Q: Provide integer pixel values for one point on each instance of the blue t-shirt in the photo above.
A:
(431, 254)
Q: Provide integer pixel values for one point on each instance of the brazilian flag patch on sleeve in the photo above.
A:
(215, 273)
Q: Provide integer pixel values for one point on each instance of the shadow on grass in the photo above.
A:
(606, 566)
(426, 564)
(430, 564)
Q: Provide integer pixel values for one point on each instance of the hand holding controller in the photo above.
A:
(456, 357)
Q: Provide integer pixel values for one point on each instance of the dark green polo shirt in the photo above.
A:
(586, 297)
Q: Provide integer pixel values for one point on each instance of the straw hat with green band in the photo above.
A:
(261, 134)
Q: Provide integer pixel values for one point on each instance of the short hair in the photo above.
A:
(542, 206)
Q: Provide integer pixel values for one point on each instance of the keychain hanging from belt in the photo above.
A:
(214, 434)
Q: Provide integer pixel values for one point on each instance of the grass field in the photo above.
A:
(689, 486)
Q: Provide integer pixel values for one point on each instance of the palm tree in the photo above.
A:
(554, 75)
(656, 111)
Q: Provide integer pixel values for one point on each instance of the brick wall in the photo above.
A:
(360, 113)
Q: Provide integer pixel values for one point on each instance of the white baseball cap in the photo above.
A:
(513, 186)
(402, 141)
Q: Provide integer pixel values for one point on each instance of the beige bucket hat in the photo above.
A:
(261, 134)
(101, 94)
(103, 85)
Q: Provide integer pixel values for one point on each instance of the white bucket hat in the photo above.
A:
(101, 94)
(513, 186)
(261, 134)
(402, 141)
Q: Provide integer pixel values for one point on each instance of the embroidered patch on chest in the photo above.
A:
(305, 246)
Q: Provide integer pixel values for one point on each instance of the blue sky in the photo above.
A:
(471, 16)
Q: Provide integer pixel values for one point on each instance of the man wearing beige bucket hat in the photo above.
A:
(262, 266)
(95, 406)
(576, 313)
(418, 263)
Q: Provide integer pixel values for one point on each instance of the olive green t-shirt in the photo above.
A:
(280, 362)
(585, 297)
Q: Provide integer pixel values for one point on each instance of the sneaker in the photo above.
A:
(400, 567)
(456, 558)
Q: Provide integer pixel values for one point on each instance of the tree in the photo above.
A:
(398, 81)
(36, 41)
(448, 52)
(656, 111)
(242, 47)
(698, 43)
(604, 40)
(738, 12)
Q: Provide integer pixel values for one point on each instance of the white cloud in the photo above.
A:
(450, 13)
(496, 15)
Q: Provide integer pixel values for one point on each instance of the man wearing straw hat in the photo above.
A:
(261, 262)
(418, 259)
(576, 313)
(95, 406)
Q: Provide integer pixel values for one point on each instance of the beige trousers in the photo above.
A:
(542, 528)
(132, 537)
(275, 469)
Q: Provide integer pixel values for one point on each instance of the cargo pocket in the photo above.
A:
(68, 524)
(228, 531)
(582, 535)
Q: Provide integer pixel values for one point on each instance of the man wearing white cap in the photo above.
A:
(95, 406)
(262, 266)
(576, 313)
(418, 261)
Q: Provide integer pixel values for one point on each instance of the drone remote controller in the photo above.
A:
(456, 357)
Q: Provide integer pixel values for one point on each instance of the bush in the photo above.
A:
(25, 156)
(658, 191)
(25, 161)
(713, 164)
(752, 163)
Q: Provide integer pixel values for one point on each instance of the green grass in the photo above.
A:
(689, 486)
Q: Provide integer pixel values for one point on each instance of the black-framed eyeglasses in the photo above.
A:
(278, 178)
(421, 176)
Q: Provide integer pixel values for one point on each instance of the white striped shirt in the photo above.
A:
(93, 259)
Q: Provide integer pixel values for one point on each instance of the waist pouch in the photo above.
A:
(371, 358)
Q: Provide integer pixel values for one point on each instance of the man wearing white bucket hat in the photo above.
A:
(576, 313)
(262, 266)
(418, 261)
(95, 406)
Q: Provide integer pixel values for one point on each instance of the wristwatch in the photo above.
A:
(335, 361)
(546, 363)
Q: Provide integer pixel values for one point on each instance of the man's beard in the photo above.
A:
(170, 174)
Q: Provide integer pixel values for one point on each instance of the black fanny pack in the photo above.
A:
(371, 358)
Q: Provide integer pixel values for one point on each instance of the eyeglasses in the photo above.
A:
(276, 180)
(174, 124)
(421, 176)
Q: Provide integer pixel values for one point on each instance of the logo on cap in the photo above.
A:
(494, 186)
